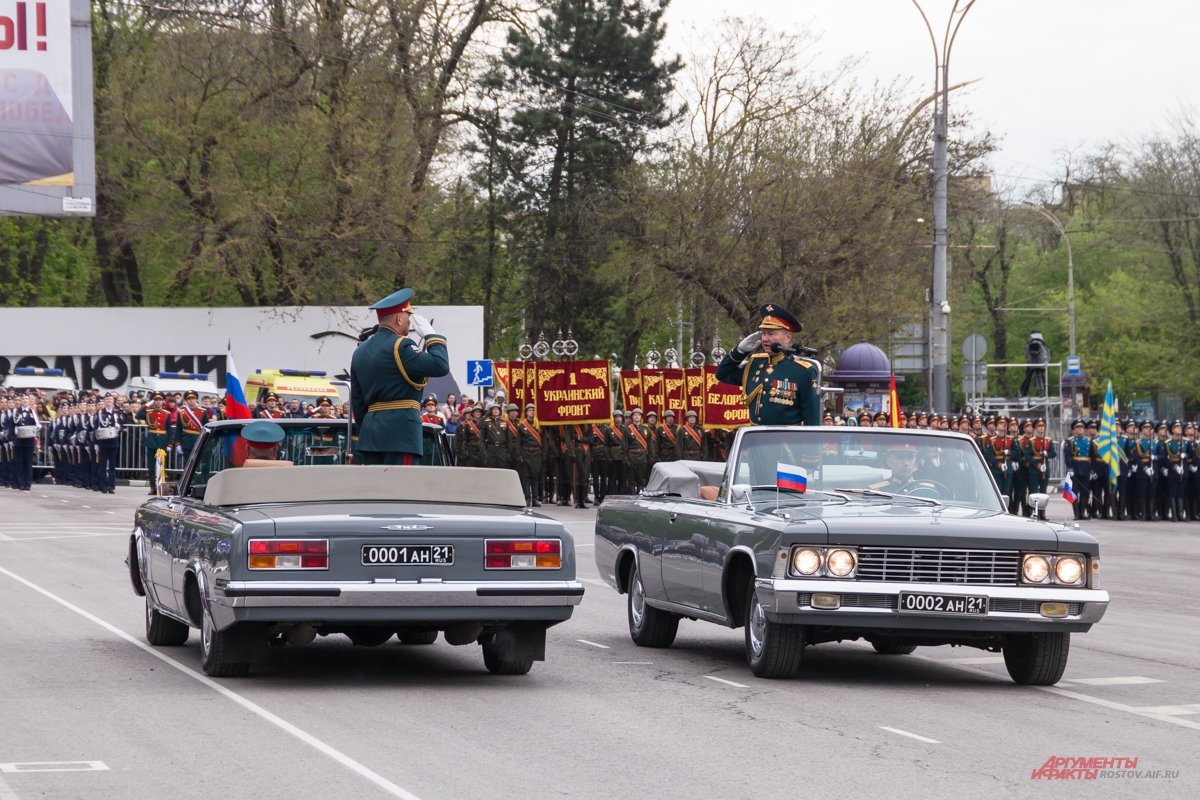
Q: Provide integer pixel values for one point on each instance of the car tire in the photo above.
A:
(161, 630)
(369, 636)
(648, 627)
(1036, 659)
(418, 637)
(889, 649)
(214, 655)
(773, 650)
(499, 662)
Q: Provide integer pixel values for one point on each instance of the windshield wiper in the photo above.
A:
(892, 495)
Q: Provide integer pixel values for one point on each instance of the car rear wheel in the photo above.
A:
(648, 626)
(368, 636)
(214, 651)
(418, 637)
(889, 649)
(499, 661)
(161, 630)
(1036, 659)
(773, 650)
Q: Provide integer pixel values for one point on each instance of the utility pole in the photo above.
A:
(939, 316)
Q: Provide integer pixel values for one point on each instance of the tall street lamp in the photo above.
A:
(939, 334)
(1070, 273)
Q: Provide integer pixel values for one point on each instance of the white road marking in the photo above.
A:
(63, 536)
(595, 581)
(5, 537)
(287, 727)
(1085, 698)
(919, 738)
(1171, 711)
(87, 506)
(5, 792)
(578, 545)
(594, 644)
(727, 683)
(641, 663)
(1125, 681)
(111, 512)
(55, 766)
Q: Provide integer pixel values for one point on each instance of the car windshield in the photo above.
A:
(309, 444)
(865, 465)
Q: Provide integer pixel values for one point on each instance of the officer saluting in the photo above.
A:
(389, 372)
(780, 388)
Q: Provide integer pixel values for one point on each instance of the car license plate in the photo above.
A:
(921, 603)
(393, 555)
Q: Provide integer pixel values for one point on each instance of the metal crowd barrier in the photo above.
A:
(131, 455)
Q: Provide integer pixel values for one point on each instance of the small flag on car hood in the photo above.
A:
(789, 476)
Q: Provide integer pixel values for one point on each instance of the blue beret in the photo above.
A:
(263, 432)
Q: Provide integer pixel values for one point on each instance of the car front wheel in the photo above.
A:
(648, 626)
(215, 645)
(773, 650)
(1036, 659)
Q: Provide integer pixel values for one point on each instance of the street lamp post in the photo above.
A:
(1070, 274)
(939, 333)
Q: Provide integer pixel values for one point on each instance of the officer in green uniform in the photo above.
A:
(668, 438)
(581, 462)
(529, 443)
(691, 439)
(468, 442)
(780, 388)
(637, 445)
(389, 372)
(188, 425)
(600, 460)
(495, 439)
(618, 454)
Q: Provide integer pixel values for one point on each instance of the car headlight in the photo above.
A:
(1068, 569)
(840, 563)
(806, 561)
(1035, 568)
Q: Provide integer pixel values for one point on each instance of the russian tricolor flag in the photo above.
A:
(789, 476)
(1068, 489)
(235, 398)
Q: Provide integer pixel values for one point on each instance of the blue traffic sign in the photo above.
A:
(479, 373)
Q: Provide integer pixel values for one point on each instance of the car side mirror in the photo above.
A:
(168, 489)
(1039, 501)
(739, 493)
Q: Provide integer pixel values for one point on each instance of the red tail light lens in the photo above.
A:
(288, 554)
(522, 554)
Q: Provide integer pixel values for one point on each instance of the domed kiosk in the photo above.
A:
(864, 373)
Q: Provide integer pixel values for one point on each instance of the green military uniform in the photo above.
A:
(780, 388)
(637, 447)
(388, 375)
(618, 482)
(468, 443)
(188, 426)
(601, 460)
(529, 444)
(495, 441)
(668, 438)
(581, 462)
(691, 439)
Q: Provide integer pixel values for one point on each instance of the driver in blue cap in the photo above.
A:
(388, 375)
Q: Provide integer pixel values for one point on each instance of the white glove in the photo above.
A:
(750, 343)
(178, 450)
(419, 325)
(1148, 471)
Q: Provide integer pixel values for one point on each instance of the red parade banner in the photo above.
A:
(500, 375)
(652, 391)
(516, 380)
(674, 393)
(571, 392)
(724, 406)
(694, 392)
(631, 389)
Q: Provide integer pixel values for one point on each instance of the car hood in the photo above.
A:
(920, 525)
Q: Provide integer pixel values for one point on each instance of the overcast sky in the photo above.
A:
(1053, 74)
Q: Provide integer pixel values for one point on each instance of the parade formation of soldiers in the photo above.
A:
(572, 464)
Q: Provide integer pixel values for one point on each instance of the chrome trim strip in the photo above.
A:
(351, 594)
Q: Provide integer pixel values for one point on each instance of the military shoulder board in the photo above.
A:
(804, 362)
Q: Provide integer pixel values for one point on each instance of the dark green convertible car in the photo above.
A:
(812, 535)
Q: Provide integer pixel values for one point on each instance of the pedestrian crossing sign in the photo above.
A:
(479, 373)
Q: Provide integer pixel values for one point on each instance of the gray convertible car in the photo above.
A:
(813, 535)
(258, 552)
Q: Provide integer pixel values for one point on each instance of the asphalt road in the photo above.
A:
(88, 710)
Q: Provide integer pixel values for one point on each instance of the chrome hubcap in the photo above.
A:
(637, 603)
(757, 627)
(206, 632)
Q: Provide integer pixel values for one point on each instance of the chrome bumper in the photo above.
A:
(780, 599)
(424, 593)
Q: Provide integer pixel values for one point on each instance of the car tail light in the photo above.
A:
(522, 553)
(289, 554)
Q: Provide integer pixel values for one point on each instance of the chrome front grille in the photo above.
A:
(939, 565)
(889, 602)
